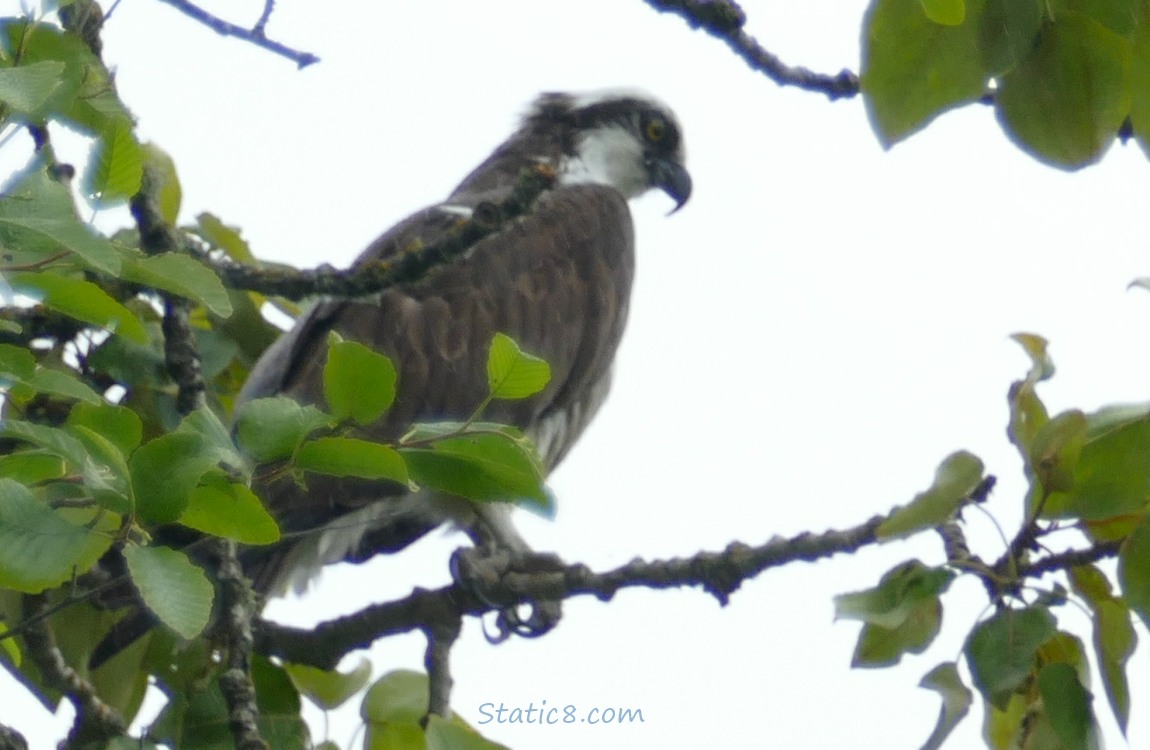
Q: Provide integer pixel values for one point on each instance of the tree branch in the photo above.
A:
(441, 636)
(1071, 558)
(374, 276)
(724, 19)
(181, 355)
(234, 634)
(95, 720)
(254, 35)
(718, 573)
(10, 739)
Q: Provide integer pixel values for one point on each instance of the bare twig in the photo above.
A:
(724, 19)
(1070, 559)
(718, 573)
(254, 35)
(261, 24)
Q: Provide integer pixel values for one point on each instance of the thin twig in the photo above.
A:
(437, 659)
(1070, 559)
(261, 24)
(254, 35)
(724, 19)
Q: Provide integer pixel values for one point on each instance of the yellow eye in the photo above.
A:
(655, 130)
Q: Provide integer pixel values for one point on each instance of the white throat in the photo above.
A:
(607, 155)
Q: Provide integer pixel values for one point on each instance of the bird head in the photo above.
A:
(622, 138)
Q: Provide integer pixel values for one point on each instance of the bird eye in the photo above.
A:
(655, 130)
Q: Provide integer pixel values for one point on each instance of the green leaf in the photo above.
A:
(40, 548)
(105, 470)
(165, 470)
(352, 457)
(28, 89)
(224, 237)
(1120, 16)
(115, 165)
(1006, 32)
(1140, 96)
(63, 383)
(1134, 570)
(38, 222)
(187, 277)
(1055, 450)
(16, 363)
(488, 466)
(1000, 651)
(899, 591)
(174, 589)
(82, 300)
(1064, 103)
(9, 645)
(358, 383)
(902, 614)
(31, 467)
(1114, 642)
(164, 181)
(1035, 346)
(883, 647)
(98, 462)
(945, 12)
(118, 424)
(222, 508)
(512, 373)
(1111, 475)
(272, 428)
(217, 438)
(398, 696)
(1066, 704)
(329, 689)
(956, 477)
(914, 69)
(956, 699)
(451, 735)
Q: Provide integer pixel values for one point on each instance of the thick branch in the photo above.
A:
(95, 720)
(724, 19)
(254, 35)
(718, 573)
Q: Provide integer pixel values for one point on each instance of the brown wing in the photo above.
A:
(557, 281)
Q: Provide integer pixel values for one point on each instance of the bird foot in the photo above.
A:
(483, 572)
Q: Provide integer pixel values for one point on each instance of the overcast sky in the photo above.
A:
(818, 328)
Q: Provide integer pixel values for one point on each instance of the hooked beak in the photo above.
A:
(672, 178)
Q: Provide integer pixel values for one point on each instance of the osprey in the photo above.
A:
(558, 281)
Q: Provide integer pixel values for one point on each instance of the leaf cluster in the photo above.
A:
(1064, 76)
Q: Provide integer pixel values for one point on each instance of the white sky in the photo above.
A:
(810, 336)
